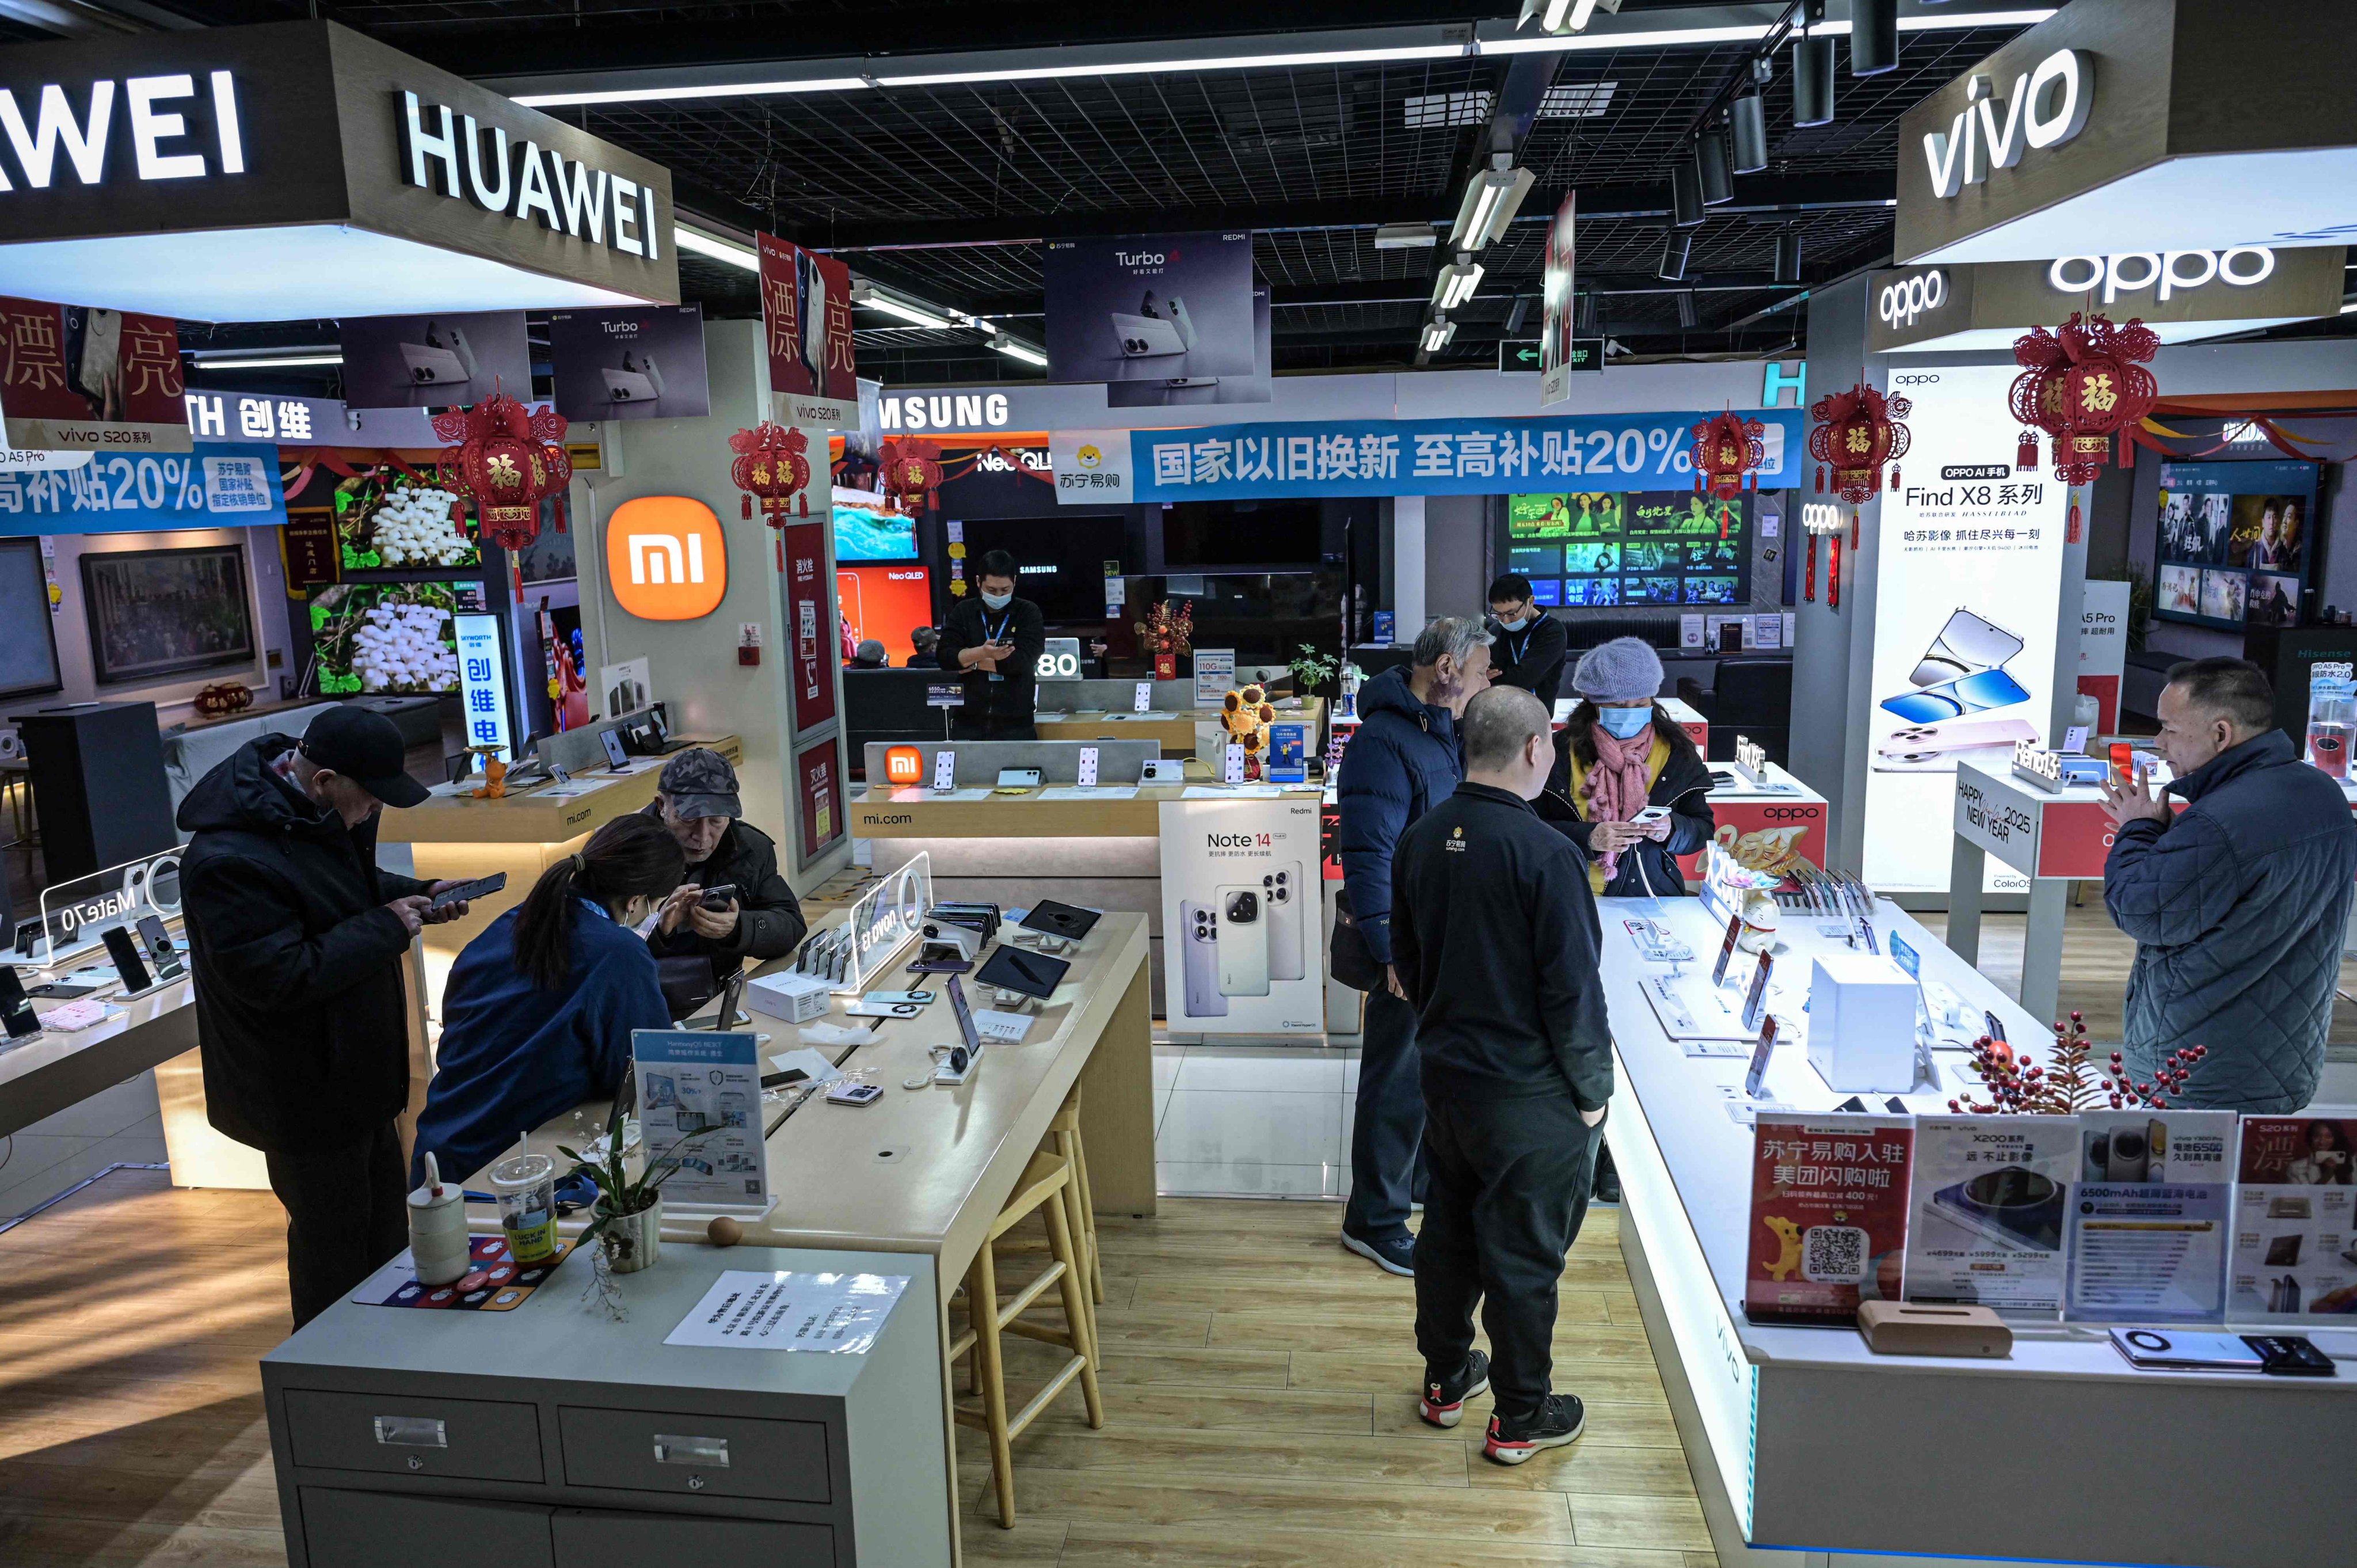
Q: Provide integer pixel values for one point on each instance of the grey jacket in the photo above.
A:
(2238, 907)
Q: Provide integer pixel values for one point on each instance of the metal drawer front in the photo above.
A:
(483, 1440)
(595, 1539)
(385, 1529)
(695, 1456)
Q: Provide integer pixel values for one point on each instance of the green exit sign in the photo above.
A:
(1522, 356)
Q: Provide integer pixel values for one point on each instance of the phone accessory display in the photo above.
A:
(73, 1017)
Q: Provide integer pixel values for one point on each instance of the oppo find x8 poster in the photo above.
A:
(1969, 571)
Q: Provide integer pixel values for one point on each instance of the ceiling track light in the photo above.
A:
(1747, 124)
(1686, 192)
(1489, 205)
(1687, 315)
(1015, 348)
(1812, 81)
(1406, 237)
(1788, 257)
(1873, 36)
(1455, 284)
(1676, 245)
(1437, 334)
(1563, 16)
(1582, 310)
(1711, 168)
(1518, 315)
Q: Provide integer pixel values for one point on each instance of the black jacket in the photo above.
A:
(1401, 763)
(1026, 628)
(770, 922)
(1532, 658)
(1646, 869)
(297, 963)
(1495, 938)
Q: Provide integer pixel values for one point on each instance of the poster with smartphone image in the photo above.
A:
(1986, 1209)
(452, 359)
(84, 380)
(2295, 1252)
(1242, 916)
(699, 1102)
(2147, 1219)
(1156, 308)
(642, 364)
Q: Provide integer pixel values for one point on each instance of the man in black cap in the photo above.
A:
(696, 800)
(298, 942)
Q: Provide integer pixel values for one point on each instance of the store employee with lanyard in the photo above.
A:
(1528, 643)
(996, 642)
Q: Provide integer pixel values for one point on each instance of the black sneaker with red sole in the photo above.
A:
(1558, 1422)
(1444, 1398)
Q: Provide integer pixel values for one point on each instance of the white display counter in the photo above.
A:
(1803, 1440)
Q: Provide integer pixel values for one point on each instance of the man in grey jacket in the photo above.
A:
(2239, 903)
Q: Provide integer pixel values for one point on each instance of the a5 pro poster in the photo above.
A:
(1242, 916)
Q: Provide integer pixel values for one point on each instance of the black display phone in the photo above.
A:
(1020, 970)
(2289, 1356)
(16, 1013)
(1726, 949)
(59, 991)
(1996, 1029)
(1757, 998)
(1760, 1054)
(160, 950)
(124, 952)
(939, 966)
(717, 899)
(478, 887)
(617, 759)
(1060, 920)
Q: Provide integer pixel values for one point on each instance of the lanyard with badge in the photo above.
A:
(1005, 618)
(1518, 650)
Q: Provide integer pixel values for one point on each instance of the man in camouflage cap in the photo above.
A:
(696, 800)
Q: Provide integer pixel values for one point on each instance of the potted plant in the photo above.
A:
(627, 1221)
(1311, 670)
(1167, 635)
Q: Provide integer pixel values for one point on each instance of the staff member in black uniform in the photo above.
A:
(1528, 649)
(994, 641)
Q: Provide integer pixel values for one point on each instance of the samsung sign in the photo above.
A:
(943, 411)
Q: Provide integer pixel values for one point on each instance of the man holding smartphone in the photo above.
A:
(995, 640)
(734, 905)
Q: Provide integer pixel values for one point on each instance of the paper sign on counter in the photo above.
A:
(1002, 1028)
(837, 1314)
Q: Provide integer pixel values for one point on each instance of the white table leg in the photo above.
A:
(2042, 949)
(1966, 869)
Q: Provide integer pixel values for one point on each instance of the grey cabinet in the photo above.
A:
(696, 1454)
(385, 1529)
(604, 1539)
(482, 1440)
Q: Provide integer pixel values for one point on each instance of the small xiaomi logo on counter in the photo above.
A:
(665, 558)
(904, 764)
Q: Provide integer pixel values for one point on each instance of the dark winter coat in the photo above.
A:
(1403, 760)
(2238, 907)
(301, 1011)
(1026, 628)
(770, 922)
(1532, 658)
(1681, 780)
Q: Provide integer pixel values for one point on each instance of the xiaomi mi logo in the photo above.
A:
(665, 558)
(904, 764)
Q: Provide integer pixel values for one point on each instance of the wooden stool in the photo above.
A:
(1045, 1184)
(1064, 1133)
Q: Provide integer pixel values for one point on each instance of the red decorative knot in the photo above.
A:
(1727, 449)
(507, 459)
(772, 466)
(911, 470)
(2081, 383)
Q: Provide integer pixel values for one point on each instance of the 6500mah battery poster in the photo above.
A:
(1828, 1224)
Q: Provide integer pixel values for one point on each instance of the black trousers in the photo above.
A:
(347, 1214)
(1508, 1189)
(969, 723)
(1387, 1132)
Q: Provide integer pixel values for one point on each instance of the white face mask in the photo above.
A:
(998, 601)
(1516, 624)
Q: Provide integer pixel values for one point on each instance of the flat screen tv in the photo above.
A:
(1060, 562)
(1242, 536)
(2236, 542)
(28, 640)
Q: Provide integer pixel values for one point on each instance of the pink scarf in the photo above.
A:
(1615, 786)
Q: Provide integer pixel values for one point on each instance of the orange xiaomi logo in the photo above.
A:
(904, 764)
(665, 558)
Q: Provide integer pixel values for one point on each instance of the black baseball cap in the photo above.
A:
(366, 748)
(700, 784)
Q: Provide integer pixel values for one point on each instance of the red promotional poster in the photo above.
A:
(74, 379)
(806, 307)
(1828, 1217)
(816, 777)
(809, 624)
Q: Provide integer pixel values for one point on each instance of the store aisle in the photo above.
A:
(1264, 1121)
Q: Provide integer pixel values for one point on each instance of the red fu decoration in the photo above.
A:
(2080, 384)
(770, 466)
(507, 460)
(912, 474)
(1856, 431)
(1728, 447)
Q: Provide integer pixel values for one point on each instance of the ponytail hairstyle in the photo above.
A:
(629, 857)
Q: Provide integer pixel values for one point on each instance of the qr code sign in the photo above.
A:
(1834, 1254)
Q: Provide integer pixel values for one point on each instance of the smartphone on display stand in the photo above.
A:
(16, 1013)
(160, 950)
(618, 760)
(1756, 999)
(124, 954)
(1726, 950)
(1759, 1055)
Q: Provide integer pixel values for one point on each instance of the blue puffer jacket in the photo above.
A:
(2238, 909)
(1403, 759)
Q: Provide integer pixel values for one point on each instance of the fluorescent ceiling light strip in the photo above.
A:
(1673, 37)
(1017, 350)
(1210, 63)
(908, 313)
(709, 90)
(269, 361)
(715, 248)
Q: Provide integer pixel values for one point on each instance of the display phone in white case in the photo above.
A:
(1280, 897)
(1200, 926)
(1244, 940)
(1935, 745)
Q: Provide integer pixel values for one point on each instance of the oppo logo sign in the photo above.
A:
(2166, 269)
(2047, 108)
(1918, 381)
(1790, 814)
(1817, 517)
(1900, 303)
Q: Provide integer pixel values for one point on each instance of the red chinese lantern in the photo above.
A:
(773, 465)
(507, 460)
(911, 473)
(1727, 448)
(1819, 519)
(1856, 431)
(2080, 384)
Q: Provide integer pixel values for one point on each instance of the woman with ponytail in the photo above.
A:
(537, 1015)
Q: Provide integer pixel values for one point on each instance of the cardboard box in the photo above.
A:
(796, 998)
(1862, 1023)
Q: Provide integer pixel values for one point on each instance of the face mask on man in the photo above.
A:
(998, 601)
(1516, 624)
(1624, 722)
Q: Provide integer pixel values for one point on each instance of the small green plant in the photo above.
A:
(620, 1193)
(1311, 670)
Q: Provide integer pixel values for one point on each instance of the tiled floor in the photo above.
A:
(1254, 1121)
(122, 1123)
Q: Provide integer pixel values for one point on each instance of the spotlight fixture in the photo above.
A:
(1437, 334)
(1787, 256)
(1676, 244)
(1813, 79)
(1455, 284)
(1686, 315)
(867, 294)
(1520, 314)
(1686, 192)
(1873, 36)
(1711, 168)
(1582, 310)
(1489, 205)
(1404, 237)
(1747, 123)
(1015, 348)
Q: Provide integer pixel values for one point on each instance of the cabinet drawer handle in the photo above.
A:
(711, 1452)
(411, 1431)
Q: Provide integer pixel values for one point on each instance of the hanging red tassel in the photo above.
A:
(1821, 478)
(748, 507)
(1722, 519)
(1894, 478)
(1832, 577)
(781, 552)
(1853, 528)
(2024, 456)
(1809, 578)
(804, 499)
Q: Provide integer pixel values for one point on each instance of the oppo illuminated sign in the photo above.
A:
(148, 121)
(2078, 274)
(1900, 303)
(2047, 108)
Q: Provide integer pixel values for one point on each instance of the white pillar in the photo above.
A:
(1407, 568)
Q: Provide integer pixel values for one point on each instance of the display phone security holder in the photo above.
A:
(952, 1064)
(945, 770)
(1088, 767)
(1014, 1002)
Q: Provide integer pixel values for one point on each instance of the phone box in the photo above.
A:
(796, 998)
(1862, 1023)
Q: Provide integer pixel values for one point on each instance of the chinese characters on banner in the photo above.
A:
(810, 625)
(482, 683)
(79, 380)
(2293, 1229)
(1828, 1217)
(2147, 1225)
(1988, 1195)
(1554, 292)
(214, 486)
(806, 310)
(815, 777)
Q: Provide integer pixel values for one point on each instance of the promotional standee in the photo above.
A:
(2295, 1254)
(1244, 949)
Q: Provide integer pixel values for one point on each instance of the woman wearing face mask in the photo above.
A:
(1527, 644)
(1619, 753)
(537, 1015)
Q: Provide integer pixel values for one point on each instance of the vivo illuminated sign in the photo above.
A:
(2047, 108)
(148, 120)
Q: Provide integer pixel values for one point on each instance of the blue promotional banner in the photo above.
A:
(218, 485)
(1440, 456)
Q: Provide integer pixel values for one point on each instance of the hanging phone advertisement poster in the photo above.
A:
(1242, 916)
(1968, 562)
(806, 310)
(1986, 1206)
(645, 363)
(1557, 359)
(74, 379)
(434, 362)
(2295, 1254)
(811, 658)
(1173, 311)
(2147, 1219)
(1828, 1217)
(700, 1107)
